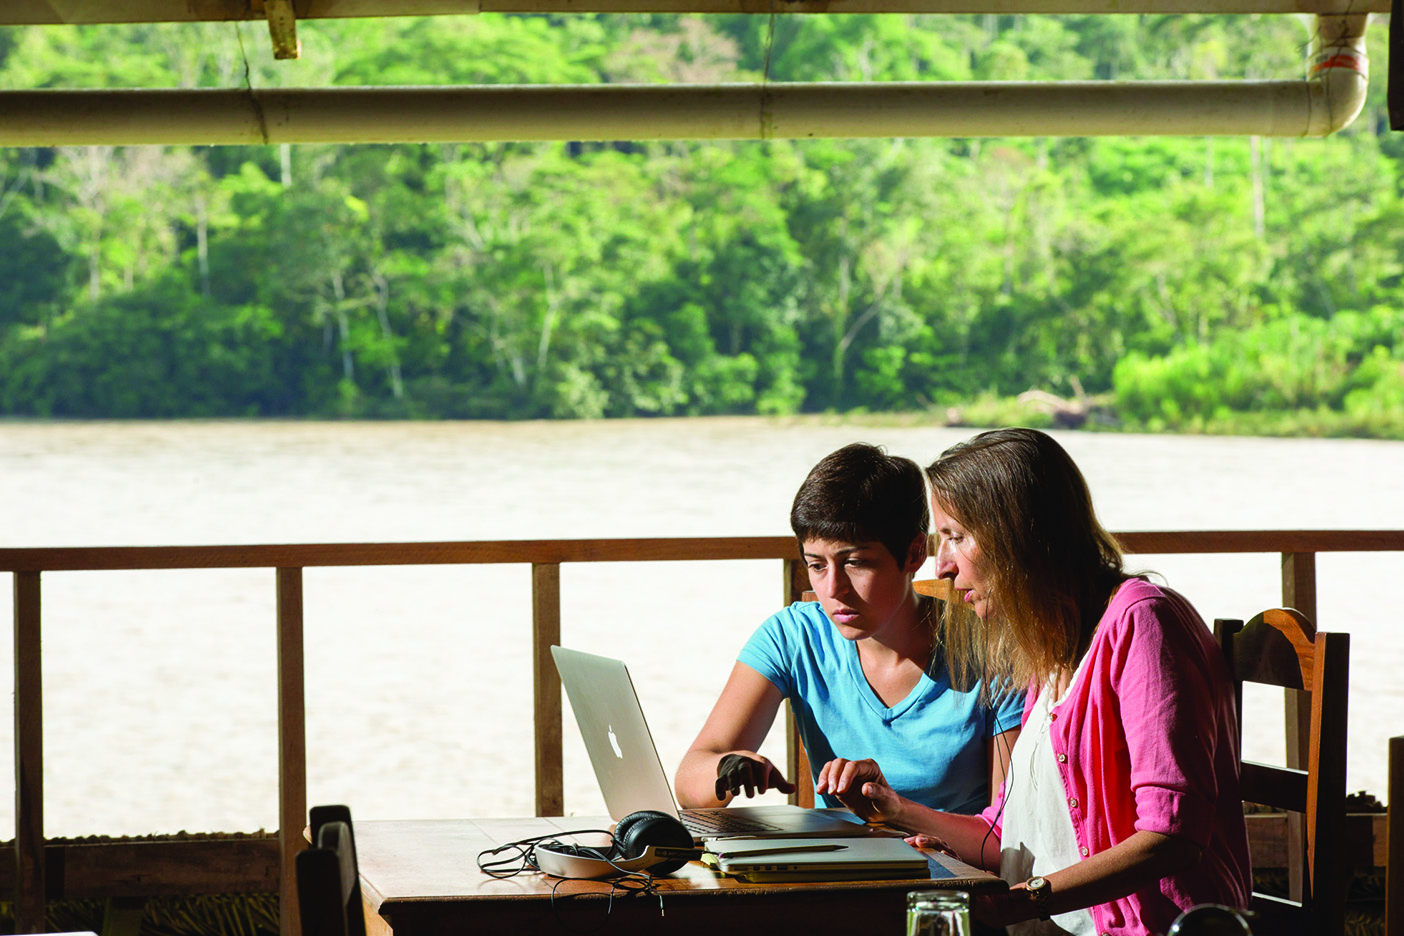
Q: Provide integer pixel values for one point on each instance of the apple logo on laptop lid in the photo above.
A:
(614, 743)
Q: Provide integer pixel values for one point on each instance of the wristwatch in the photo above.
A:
(1040, 889)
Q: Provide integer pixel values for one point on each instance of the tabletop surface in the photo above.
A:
(437, 860)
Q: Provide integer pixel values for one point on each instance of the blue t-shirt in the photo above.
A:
(930, 745)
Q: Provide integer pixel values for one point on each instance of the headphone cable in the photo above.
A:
(520, 858)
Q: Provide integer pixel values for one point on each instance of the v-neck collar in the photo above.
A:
(870, 697)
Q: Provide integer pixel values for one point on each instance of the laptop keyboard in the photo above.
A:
(709, 822)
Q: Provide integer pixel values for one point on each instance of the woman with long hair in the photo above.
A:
(1121, 805)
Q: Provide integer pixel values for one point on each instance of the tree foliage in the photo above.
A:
(1182, 278)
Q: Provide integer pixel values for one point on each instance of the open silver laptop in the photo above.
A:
(632, 777)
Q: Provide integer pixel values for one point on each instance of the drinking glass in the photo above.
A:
(938, 913)
(1210, 920)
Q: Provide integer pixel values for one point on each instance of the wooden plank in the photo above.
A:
(1365, 840)
(105, 558)
(154, 868)
(29, 758)
(292, 745)
(1279, 787)
(546, 688)
(310, 555)
(1261, 541)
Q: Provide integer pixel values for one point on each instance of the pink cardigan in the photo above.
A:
(1147, 741)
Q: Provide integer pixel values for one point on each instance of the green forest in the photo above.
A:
(1206, 284)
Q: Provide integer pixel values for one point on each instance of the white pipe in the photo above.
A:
(1322, 104)
(1339, 73)
(662, 112)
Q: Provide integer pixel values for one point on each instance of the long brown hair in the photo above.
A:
(1049, 565)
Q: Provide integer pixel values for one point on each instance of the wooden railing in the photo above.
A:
(243, 864)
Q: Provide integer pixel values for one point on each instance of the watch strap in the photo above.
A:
(1040, 889)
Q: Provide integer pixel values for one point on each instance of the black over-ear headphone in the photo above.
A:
(646, 840)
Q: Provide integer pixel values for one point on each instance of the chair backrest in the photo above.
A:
(1281, 647)
(328, 878)
(932, 588)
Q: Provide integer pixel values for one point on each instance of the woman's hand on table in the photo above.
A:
(861, 787)
(750, 772)
(931, 843)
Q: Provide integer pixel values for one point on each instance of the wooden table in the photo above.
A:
(421, 877)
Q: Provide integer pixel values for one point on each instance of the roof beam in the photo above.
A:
(56, 12)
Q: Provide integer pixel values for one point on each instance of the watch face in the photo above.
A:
(1037, 883)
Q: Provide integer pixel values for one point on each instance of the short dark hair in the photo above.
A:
(861, 494)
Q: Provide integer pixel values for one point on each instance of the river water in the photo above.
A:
(160, 687)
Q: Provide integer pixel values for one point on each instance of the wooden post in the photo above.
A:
(292, 746)
(29, 758)
(546, 687)
(1299, 583)
(1330, 880)
(799, 769)
(1394, 842)
(795, 584)
(1298, 591)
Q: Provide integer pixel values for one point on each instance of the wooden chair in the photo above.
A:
(328, 879)
(1281, 647)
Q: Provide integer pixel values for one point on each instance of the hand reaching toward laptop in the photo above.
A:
(861, 787)
(750, 772)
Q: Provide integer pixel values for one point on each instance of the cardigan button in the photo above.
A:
(1072, 801)
(1062, 758)
(1083, 851)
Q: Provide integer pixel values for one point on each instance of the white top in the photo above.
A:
(1037, 834)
